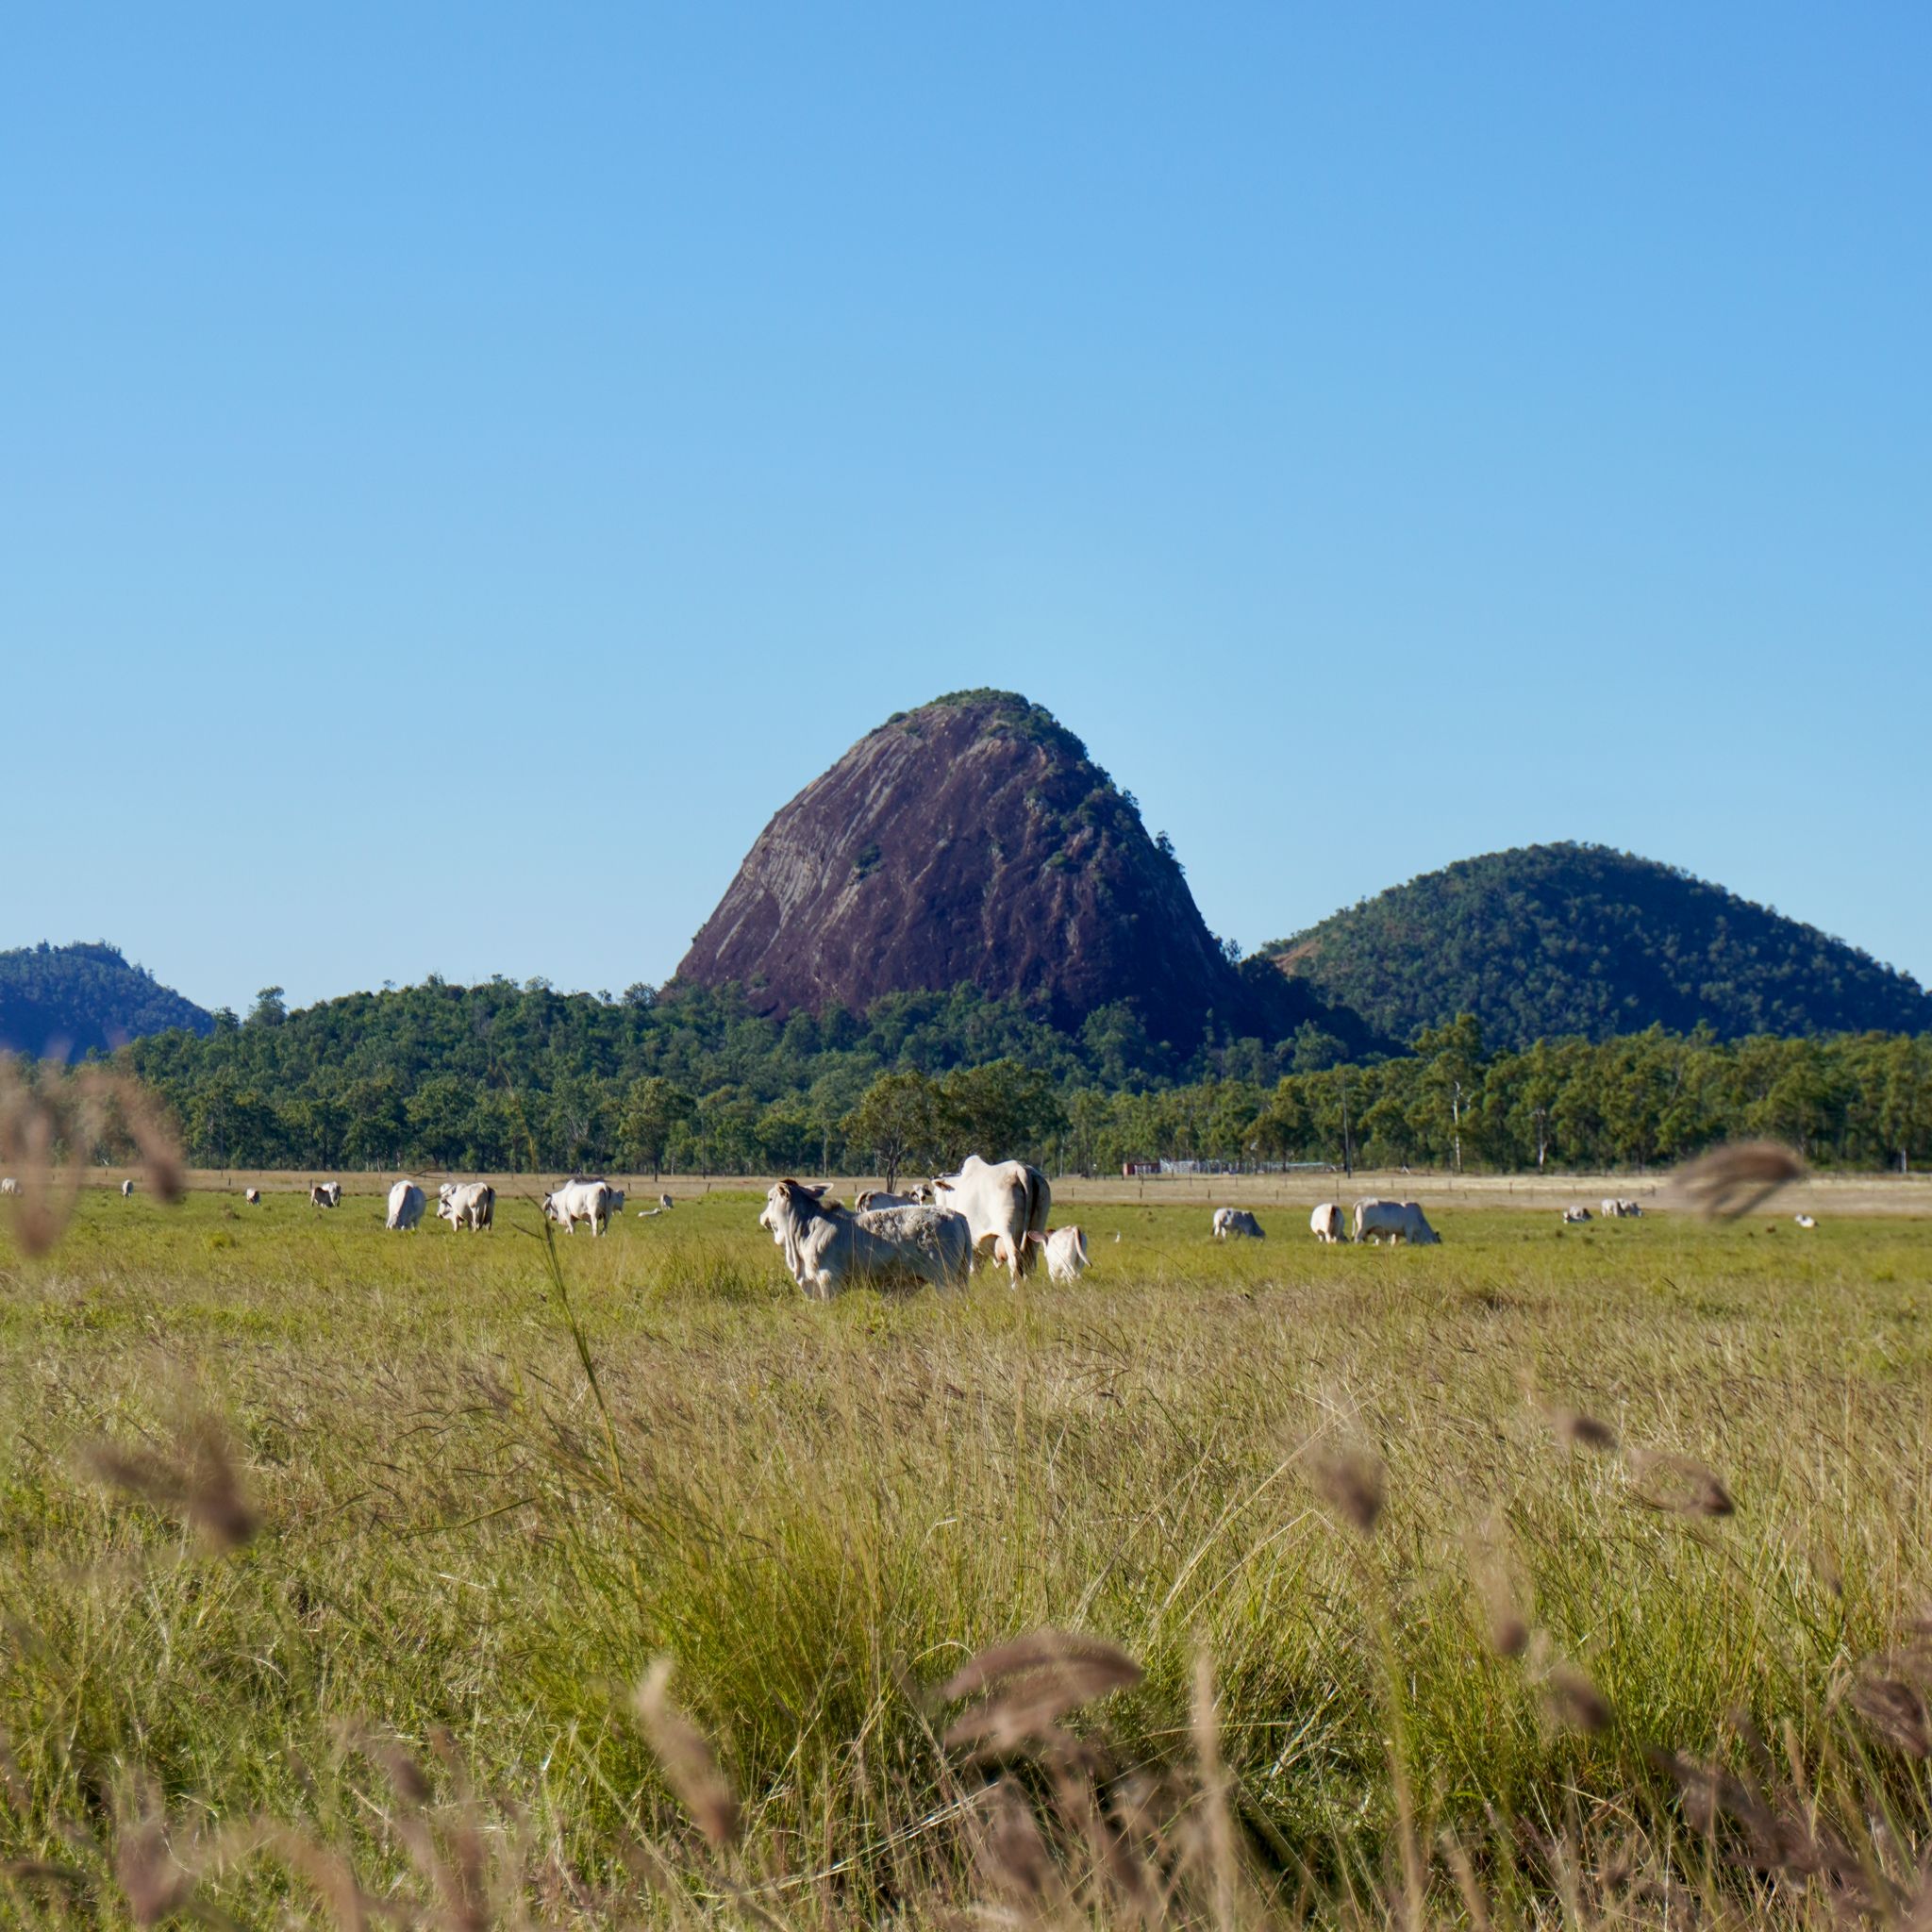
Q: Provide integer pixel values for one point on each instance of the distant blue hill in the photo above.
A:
(70, 1000)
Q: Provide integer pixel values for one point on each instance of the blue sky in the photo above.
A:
(464, 468)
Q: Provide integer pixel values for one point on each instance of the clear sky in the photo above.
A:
(462, 468)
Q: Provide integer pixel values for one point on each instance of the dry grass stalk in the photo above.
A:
(1730, 1181)
(1217, 1819)
(691, 1766)
(199, 1484)
(1031, 1683)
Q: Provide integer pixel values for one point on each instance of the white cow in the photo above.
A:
(1573, 1215)
(466, 1204)
(1066, 1254)
(1396, 1220)
(1328, 1224)
(325, 1193)
(252, 1195)
(827, 1249)
(1003, 1202)
(1805, 1220)
(1235, 1224)
(578, 1201)
(869, 1198)
(407, 1202)
(10, 1185)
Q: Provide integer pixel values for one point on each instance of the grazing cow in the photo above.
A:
(1066, 1254)
(1328, 1224)
(10, 1185)
(617, 1200)
(407, 1202)
(1805, 1220)
(1571, 1215)
(1628, 1209)
(1395, 1221)
(869, 1198)
(127, 1190)
(578, 1201)
(252, 1195)
(325, 1193)
(1003, 1202)
(1236, 1224)
(826, 1249)
(666, 1202)
(466, 1204)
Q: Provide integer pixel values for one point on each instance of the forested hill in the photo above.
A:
(1548, 941)
(500, 1074)
(75, 999)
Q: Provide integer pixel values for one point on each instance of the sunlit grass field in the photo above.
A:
(488, 1490)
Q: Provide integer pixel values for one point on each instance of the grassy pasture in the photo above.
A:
(470, 1552)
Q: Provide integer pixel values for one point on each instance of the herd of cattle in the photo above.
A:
(472, 1204)
(1374, 1221)
(1612, 1210)
(934, 1233)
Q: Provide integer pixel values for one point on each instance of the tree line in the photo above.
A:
(511, 1078)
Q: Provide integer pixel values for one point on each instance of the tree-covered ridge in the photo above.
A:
(1547, 941)
(83, 998)
(505, 1077)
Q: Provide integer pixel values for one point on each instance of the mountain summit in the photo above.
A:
(972, 841)
(1544, 941)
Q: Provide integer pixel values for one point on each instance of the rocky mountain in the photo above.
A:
(1565, 939)
(974, 842)
(72, 999)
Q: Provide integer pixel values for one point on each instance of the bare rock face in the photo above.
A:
(970, 841)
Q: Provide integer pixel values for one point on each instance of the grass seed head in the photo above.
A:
(1350, 1482)
(1030, 1683)
(1681, 1483)
(1508, 1629)
(1582, 1431)
(689, 1763)
(199, 1483)
(1574, 1701)
(154, 1883)
(1731, 1180)
(1893, 1708)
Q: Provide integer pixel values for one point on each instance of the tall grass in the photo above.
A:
(1430, 1605)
